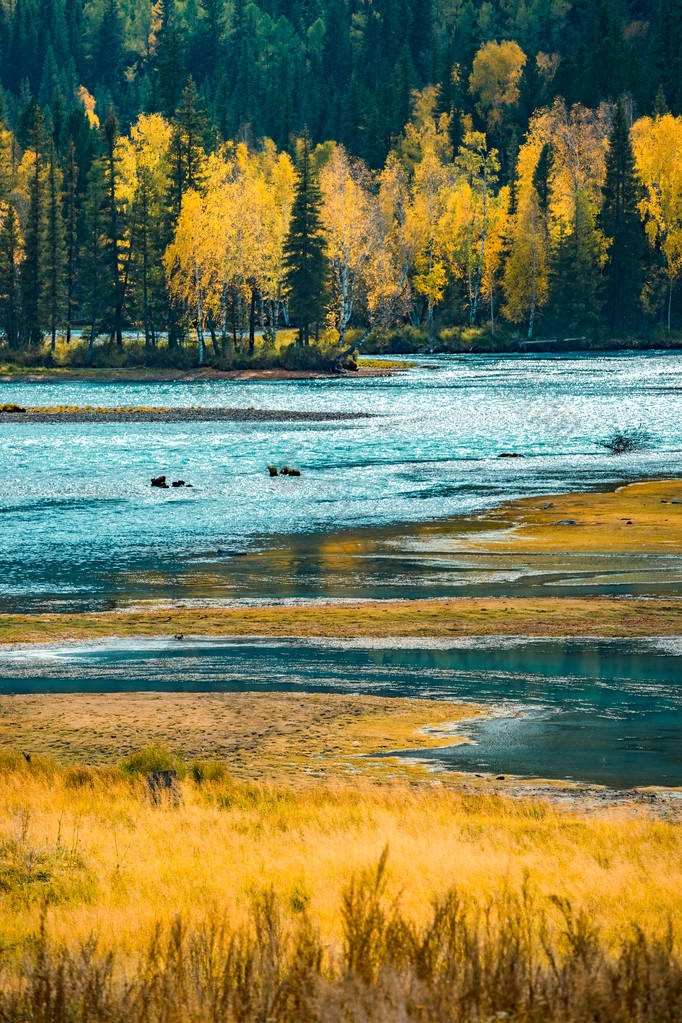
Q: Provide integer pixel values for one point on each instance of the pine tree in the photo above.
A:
(10, 257)
(70, 234)
(108, 49)
(541, 177)
(622, 227)
(190, 128)
(94, 257)
(575, 278)
(169, 60)
(55, 254)
(33, 267)
(147, 278)
(115, 229)
(305, 258)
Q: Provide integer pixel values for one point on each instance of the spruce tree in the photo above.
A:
(575, 281)
(94, 261)
(55, 253)
(541, 177)
(71, 199)
(622, 227)
(33, 268)
(305, 257)
(169, 60)
(190, 130)
(115, 229)
(10, 254)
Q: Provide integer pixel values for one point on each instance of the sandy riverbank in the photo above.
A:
(258, 735)
(124, 414)
(142, 375)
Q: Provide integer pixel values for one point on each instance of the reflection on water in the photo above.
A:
(608, 712)
(80, 526)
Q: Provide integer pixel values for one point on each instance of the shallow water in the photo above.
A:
(603, 712)
(80, 527)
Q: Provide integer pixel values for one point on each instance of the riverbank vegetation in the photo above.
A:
(338, 896)
(504, 186)
(446, 618)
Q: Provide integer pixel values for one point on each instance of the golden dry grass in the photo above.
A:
(529, 616)
(106, 861)
(640, 518)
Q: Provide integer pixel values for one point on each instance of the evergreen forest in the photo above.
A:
(202, 173)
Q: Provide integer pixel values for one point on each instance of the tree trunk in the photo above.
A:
(91, 342)
(214, 339)
(200, 316)
(252, 321)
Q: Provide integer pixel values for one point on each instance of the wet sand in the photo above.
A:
(258, 734)
(298, 740)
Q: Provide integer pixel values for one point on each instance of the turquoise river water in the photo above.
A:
(81, 528)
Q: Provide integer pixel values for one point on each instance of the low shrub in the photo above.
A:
(622, 442)
(154, 757)
(208, 771)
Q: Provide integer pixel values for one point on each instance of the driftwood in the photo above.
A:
(163, 788)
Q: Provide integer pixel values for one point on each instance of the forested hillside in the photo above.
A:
(472, 164)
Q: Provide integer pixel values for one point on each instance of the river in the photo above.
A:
(82, 529)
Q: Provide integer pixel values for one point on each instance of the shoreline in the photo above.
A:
(124, 414)
(141, 375)
(301, 741)
(637, 519)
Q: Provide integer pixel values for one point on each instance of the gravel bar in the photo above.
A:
(174, 415)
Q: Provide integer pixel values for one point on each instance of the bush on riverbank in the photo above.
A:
(287, 354)
(463, 340)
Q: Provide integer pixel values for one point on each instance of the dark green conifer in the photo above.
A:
(575, 301)
(660, 105)
(115, 229)
(622, 226)
(71, 198)
(188, 145)
(33, 268)
(306, 261)
(55, 254)
(10, 255)
(169, 69)
(94, 256)
(541, 176)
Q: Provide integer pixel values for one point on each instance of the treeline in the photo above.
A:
(164, 230)
(345, 68)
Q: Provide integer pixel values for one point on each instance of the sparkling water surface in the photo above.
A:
(80, 526)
